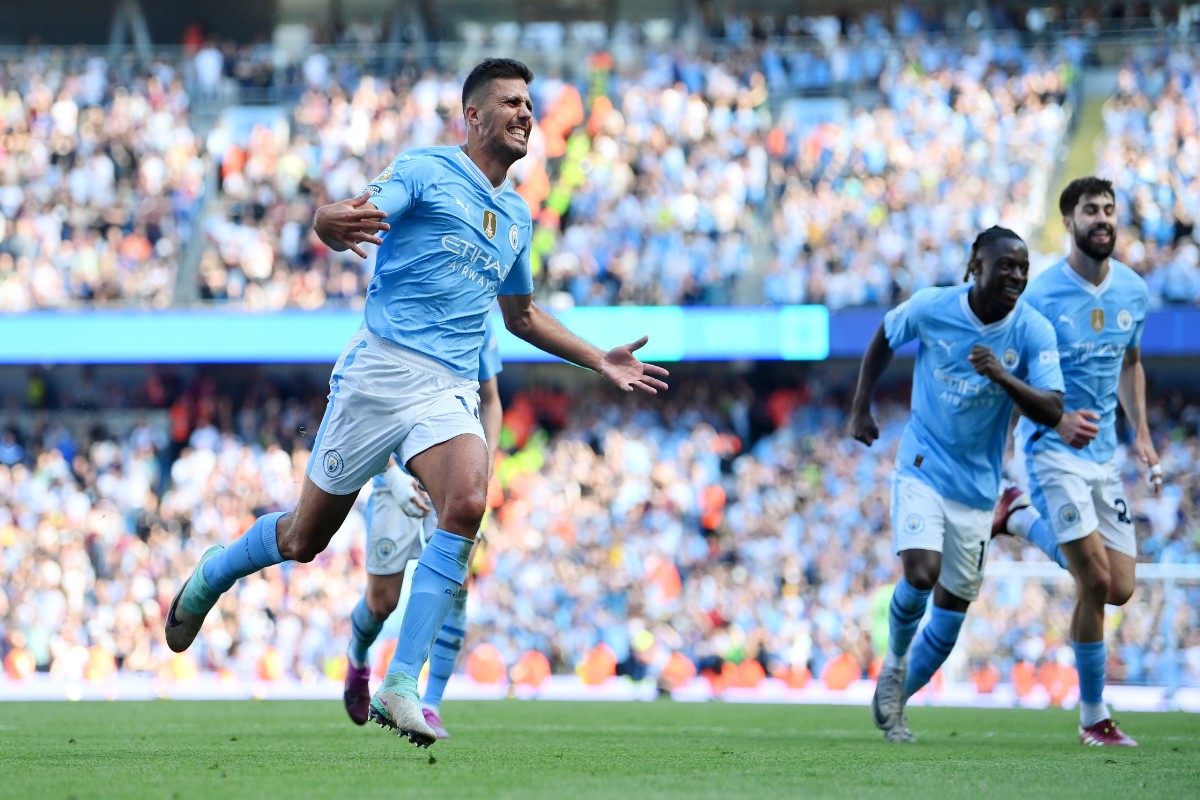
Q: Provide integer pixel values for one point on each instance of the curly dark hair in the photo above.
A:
(991, 234)
(1083, 187)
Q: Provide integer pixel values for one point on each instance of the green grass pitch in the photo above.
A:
(229, 750)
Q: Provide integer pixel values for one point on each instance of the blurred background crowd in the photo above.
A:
(731, 524)
(790, 162)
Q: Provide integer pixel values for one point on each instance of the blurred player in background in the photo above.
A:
(397, 517)
(1098, 307)
(980, 352)
(454, 236)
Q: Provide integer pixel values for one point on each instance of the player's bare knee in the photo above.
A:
(464, 512)
(1094, 582)
(1119, 593)
(923, 576)
(381, 606)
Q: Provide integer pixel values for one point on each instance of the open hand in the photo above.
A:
(351, 223)
(621, 367)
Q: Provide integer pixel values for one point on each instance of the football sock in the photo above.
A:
(445, 652)
(364, 629)
(933, 647)
(1028, 524)
(436, 582)
(904, 615)
(256, 550)
(1090, 658)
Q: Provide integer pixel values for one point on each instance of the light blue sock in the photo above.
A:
(364, 629)
(256, 550)
(933, 647)
(1043, 536)
(445, 652)
(437, 580)
(1028, 524)
(1090, 662)
(904, 615)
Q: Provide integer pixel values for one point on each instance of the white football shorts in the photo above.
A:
(386, 399)
(393, 537)
(1077, 496)
(922, 519)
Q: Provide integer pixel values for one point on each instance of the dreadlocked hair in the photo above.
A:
(992, 234)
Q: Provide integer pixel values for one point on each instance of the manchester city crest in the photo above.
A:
(1124, 319)
(1010, 359)
(915, 523)
(332, 463)
(1068, 515)
(514, 238)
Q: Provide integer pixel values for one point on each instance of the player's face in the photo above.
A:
(1004, 271)
(505, 114)
(1093, 225)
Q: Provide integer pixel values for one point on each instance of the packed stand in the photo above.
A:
(1152, 155)
(885, 200)
(727, 526)
(100, 173)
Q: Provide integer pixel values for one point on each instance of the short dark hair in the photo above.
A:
(991, 234)
(491, 69)
(1083, 187)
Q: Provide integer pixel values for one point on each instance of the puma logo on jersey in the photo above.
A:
(1064, 318)
(466, 209)
(945, 344)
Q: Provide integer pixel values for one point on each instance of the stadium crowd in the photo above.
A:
(709, 176)
(728, 525)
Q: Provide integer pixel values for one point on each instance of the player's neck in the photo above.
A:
(1092, 270)
(985, 312)
(494, 170)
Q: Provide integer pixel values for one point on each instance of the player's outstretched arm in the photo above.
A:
(619, 366)
(346, 224)
(1043, 406)
(1131, 391)
(862, 425)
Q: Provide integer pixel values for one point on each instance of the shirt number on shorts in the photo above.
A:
(982, 555)
(1122, 511)
(466, 407)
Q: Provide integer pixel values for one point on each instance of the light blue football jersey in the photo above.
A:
(489, 355)
(455, 243)
(1095, 325)
(954, 440)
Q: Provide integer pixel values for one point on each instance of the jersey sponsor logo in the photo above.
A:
(475, 263)
(1047, 357)
(1068, 514)
(514, 238)
(1010, 359)
(914, 523)
(1124, 319)
(332, 463)
(1098, 319)
(489, 224)
(384, 549)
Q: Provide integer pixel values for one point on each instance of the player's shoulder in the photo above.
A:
(1031, 319)
(1126, 280)
(433, 159)
(937, 295)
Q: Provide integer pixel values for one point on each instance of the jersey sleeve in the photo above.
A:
(903, 323)
(1044, 371)
(519, 280)
(489, 356)
(1135, 339)
(397, 187)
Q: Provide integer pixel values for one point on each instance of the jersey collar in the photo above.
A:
(478, 175)
(998, 325)
(1092, 289)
